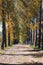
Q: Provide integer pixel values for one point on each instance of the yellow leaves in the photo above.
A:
(33, 8)
(24, 11)
(36, 3)
(30, 15)
(33, 26)
(9, 29)
(0, 1)
(36, 25)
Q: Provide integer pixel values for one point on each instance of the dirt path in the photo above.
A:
(19, 54)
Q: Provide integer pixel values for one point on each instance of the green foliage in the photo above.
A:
(35, 47)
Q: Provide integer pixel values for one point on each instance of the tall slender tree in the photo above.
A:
(40, 26)
(10, 8)
(3, 26)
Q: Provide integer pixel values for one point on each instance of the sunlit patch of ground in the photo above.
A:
(21, 54)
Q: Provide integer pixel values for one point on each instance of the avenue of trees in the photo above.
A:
(21, 20)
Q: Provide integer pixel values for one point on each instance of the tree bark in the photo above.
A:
(8, 31)
(40, 27)
(8, 38)
(3, 28)
(36, 38)
(42, 41)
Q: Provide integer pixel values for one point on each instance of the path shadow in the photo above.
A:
(24, 64)
(30, 54)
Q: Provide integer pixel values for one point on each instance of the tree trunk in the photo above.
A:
(31, 37)
(3, 35)
(3, 28)
(40, 29)
(42, 41)
(36, 38)
(8, 38)
(8, 31)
